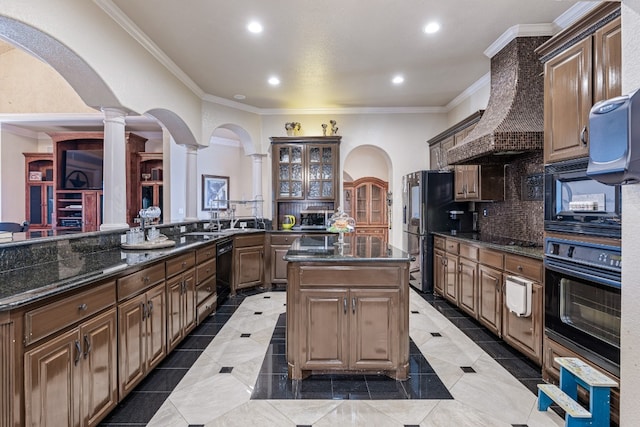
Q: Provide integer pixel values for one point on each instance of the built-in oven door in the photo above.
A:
(582, 312)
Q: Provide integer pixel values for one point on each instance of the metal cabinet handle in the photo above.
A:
(353, 305)
(344, 303)
(584, 133)
(519, 268)
(83, 307)
(78, 352)
(87, 345)
(149, 308)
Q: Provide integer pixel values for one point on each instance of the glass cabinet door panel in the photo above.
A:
(284, 189)
(327, 189)
(49, 204)
(297, 189)
(147, 196)
(296, 172)
(314, 172)
(314, 189)
(35, 204)
(377, 205)
(327, 155)
(327, 171)
(314, 155)
(296, 154)
(361, 204)
(284, 172)
(284, 155)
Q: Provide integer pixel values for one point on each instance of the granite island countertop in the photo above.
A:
(504, 244)
(326, 249)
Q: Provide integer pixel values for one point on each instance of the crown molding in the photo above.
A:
(134, 31)
(521, 30)
(575, 12)
(346, 111)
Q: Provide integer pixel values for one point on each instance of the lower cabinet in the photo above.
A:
(468, 286)
(248, 261)
(279, 246)
(142, 336)
(181, 307)
(439, 271)
(450, 278)
(525, 333)
(490, 298)
(349, 329)
(71, 380)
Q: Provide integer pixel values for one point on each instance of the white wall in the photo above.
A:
(630, 337)
(366, 161)
(476, 99)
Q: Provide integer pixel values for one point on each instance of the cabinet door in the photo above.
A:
(290, 172)
(444, 147)
(155, 327)
(373, 328)
(490, 298)
(435, 161)
(348, 200)
(248, 266)
(525, 333)
(53, 382)
(439, 272)
(321, 172)
(278, 265)
(131, 343)
(189, 321)
(450, 276)
(175, 290)
(323, 339)
(468, 286)
(567, 101)
(377, 205)
(607, 55)
(99, 376)
(459, 182)
(362, 204)
(90, 211)
(472, 181)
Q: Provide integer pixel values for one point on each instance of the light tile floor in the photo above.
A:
(195, 392)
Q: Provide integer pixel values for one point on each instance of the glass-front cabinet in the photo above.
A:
(39, 190)
(305, 174)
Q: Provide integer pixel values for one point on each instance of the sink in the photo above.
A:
(206, 233)
(240, 230)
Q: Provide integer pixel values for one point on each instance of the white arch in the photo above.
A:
(243, 136)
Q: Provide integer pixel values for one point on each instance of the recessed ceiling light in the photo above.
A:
(254, 27)
(431, 27)
(397, 80)
(274, 81)
(239, 96)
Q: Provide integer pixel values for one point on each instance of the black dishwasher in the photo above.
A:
(224, 254)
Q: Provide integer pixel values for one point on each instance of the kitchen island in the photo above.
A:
(347, 307)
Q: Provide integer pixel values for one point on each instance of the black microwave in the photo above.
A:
(575, 203)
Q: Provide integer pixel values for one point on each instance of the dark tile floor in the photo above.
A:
(145, 400)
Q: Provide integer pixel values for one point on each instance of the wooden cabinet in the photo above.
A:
(279, 245)
(349, 329)
(468, 279)
(72, 379)
(306, 172)
(439, 271)
(181, 298)
(148, 179)
(206, 294)
(142, 320)
(370, 206)
(525, 333)
(39, 190)
(479, 182)
(441, 143)
(347, 318)
(248, 261)
(576, 77)
(490, 298)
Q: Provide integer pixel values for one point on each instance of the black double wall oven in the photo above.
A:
(582, 278)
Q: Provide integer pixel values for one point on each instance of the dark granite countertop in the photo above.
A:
(76, 267)
(326, 249)
(503, 244)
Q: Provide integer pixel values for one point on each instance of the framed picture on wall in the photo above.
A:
(215, 192)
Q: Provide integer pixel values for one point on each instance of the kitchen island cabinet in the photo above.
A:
(347, 308)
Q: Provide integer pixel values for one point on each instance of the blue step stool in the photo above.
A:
(574, 372)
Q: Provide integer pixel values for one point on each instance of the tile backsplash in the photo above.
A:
(521, 215)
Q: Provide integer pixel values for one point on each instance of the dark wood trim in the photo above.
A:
(473, 118)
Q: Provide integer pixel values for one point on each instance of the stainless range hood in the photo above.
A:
(513, 121)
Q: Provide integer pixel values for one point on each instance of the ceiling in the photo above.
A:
(330, 54)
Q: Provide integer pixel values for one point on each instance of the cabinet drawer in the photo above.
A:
(523, 266)
(284, 239)
(139, 281)
(205, 254)
(180, 264)
(452, 247)
(205, 270)
(53, 317)
(492, 258)
(251, 240)
(205, 289)
(468, 251)
(439, 242)
(391, 276)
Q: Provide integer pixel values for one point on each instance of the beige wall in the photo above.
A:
(630, 336)
(12, 195)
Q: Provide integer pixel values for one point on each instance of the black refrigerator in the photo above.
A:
(427, 203)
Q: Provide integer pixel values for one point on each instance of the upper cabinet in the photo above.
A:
(582, 65)
(39, 190)
(305, 173)
(441, 143)
(150, 183)
(474, 183)
(367, 204)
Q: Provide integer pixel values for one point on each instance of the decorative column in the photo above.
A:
(114, 191)
(191, 183)
(257, 183)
